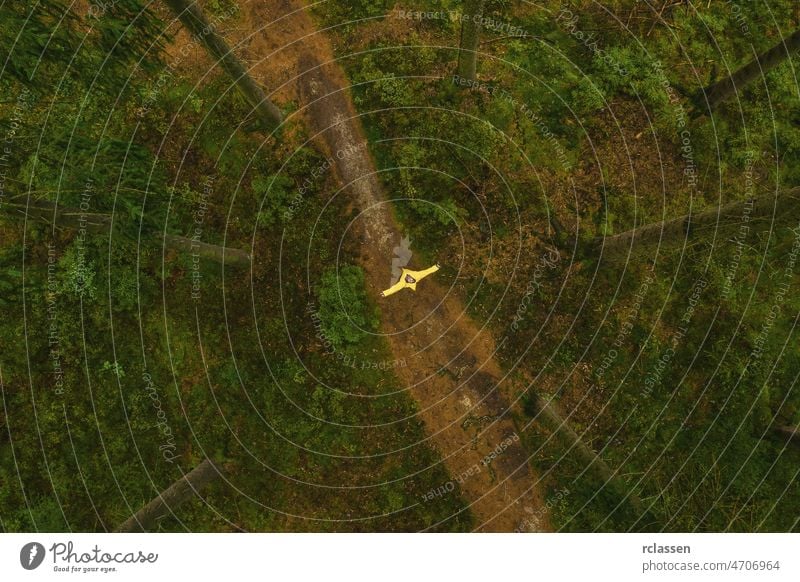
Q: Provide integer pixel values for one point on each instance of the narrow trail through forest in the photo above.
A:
(451, 371)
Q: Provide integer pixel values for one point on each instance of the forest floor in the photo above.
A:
(449, 365)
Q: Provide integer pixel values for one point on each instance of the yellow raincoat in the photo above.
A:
(409, 279)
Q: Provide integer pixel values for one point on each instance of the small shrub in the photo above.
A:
(277, 194)
(77, 273)
(345, 315)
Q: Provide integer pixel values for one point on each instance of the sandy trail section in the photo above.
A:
(450, 371)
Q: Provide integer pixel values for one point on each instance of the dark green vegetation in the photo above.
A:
(124, 364)
(675, 366)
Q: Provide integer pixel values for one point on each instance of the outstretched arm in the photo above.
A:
(419, 275)
(394, 288)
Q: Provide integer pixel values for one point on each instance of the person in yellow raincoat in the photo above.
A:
(409, 279)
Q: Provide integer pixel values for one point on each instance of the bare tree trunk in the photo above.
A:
(470, 38)
(75, 219)
(193, 18)
(727, 87)
(548, 417)
(218, 254)
(788, 433)
(61, 216)
(779, 209)
(168, 500)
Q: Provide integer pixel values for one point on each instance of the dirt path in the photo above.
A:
(451, 372)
